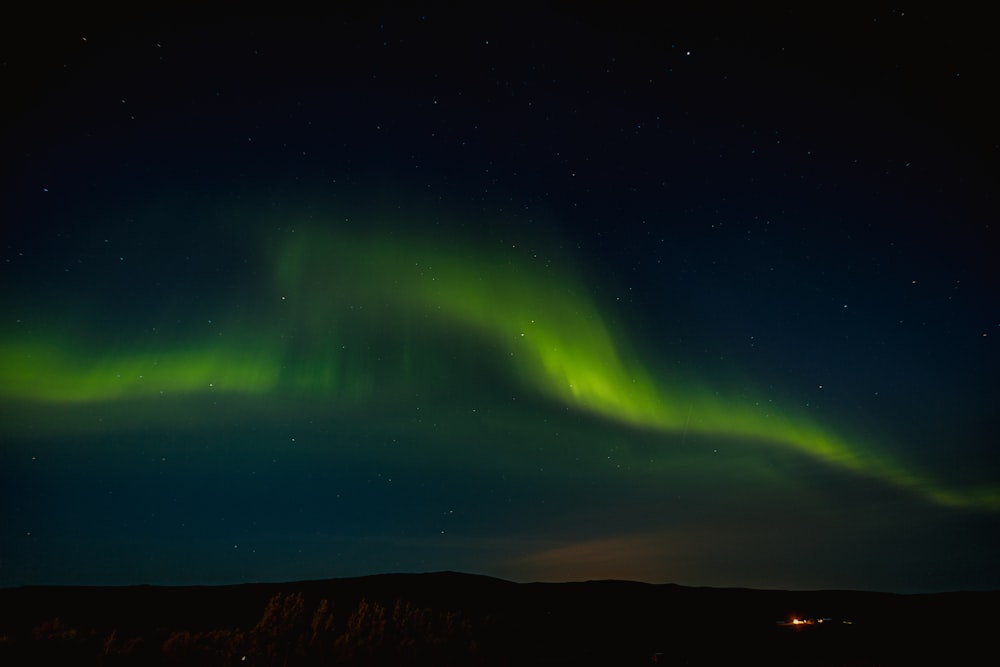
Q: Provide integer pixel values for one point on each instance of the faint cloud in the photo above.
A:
(639, 557)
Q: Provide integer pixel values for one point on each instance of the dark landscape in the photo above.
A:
(450, 618)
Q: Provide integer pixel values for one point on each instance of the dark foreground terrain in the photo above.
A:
(458, 619)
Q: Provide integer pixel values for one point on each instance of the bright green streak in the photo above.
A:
(534, 323)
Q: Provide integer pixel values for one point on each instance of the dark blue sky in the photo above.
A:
(551, 293)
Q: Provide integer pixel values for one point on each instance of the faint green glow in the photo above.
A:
(371, 319)
(55, 372)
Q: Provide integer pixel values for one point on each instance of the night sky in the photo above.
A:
(549, 293)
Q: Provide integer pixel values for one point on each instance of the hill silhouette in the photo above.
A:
(450, 618)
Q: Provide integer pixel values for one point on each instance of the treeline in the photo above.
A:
(290, 632)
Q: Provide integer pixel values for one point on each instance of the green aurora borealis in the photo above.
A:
(555, 292)
(352, 322)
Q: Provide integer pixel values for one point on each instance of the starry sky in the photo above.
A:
(554, 293)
